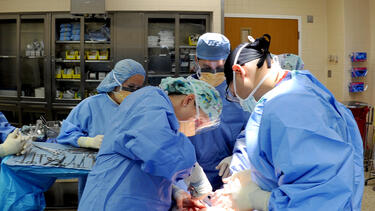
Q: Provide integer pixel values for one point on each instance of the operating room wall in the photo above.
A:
(336, 48)
(372, 50)
(314, 38)
(213, 6)
(357, 38)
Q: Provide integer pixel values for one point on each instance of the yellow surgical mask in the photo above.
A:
(214, 79)
(121, 95)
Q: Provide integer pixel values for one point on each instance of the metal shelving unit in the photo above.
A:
(28, 81)
(173, 30)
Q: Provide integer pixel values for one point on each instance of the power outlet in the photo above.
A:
(329, 73)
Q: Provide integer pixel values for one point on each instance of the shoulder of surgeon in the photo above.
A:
(300, 92)
(149, 97)
(92, 100)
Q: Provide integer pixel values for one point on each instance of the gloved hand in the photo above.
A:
(184, 200)
(251, 196)
(243, 193)
(199, 185)
(13, 144)
(224, 165)
(90, 142)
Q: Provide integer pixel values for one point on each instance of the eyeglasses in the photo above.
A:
(210, 70)
(130, 88)
(229, 96)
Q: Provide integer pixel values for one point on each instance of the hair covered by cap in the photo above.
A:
(123, 70)
(259, 49)
(207, 97)
(213, 46)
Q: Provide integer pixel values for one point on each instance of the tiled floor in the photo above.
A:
(368, 201)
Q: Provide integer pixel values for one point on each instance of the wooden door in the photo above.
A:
(284, 32)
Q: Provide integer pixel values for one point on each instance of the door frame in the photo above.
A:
(298, 18)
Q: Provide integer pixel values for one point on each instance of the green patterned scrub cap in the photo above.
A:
(207, 97)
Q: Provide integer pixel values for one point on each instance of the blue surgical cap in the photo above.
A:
(213, 46)
(123, 70)
(290, 61)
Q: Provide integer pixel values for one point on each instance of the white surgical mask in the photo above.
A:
(249, 103)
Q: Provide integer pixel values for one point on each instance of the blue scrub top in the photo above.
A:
(88, 118)
(305, 147)
(5, 128)
(215, 145)
(142, 154)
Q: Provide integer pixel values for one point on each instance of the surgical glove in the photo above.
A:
(245, 194)
(13, 144)
(199, 185)
(184, 200)
(90, 142)
(250, 197)
(224, 165)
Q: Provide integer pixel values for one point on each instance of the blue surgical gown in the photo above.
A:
(88, 118)
(215, 145)
(142, 154)
(305, 147)
(5, 128)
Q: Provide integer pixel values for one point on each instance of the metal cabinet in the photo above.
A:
(170, 43)
(165, 49)
(49, 62)
(24, 65)
(82, 55)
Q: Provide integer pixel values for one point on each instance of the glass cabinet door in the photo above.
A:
(191, 27)
(32, 53)
(160, 48)
(97, 49)
(66, 59)
(8, 57)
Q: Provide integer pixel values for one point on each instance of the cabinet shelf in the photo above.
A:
(188, 46)
(33, 57)
(77, 61)
(68, 80)
(98, 61)
(93, 81)
(6, 57)
(67, 60)
(78, 42)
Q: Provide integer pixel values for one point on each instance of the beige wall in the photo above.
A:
(336, 48)
(357, 38)
(314, 52)
(371, 62)
(340, 27)
(7, 6)
(213, 6)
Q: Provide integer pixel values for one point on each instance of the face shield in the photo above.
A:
(203, 121)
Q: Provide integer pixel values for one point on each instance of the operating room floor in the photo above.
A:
(368, 201)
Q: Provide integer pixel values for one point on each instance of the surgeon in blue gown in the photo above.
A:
(215, 148)
(304, 147)
(145, 150)
(85, 124)
(240, 160)
(83, 127)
